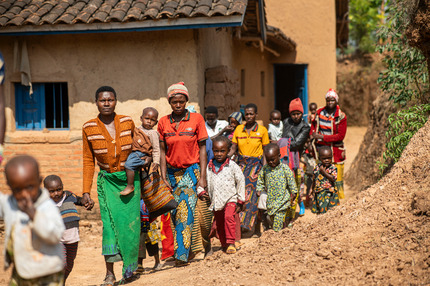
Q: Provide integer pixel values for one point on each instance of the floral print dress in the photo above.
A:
(326, 193)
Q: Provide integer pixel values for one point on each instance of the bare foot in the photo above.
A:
(109, 280)
(127, 190)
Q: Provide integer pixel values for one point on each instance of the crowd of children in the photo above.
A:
(240, 192)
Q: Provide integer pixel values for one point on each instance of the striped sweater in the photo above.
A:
(68, 210)
(110, 153)
(333, 128)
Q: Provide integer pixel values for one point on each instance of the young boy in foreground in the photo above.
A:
(226, 191)
(280, 185)
(66, 203)
(33, 227)
(146, 142)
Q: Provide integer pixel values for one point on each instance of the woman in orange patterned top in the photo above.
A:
(108, 139)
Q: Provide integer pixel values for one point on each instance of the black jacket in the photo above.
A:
(298, 133)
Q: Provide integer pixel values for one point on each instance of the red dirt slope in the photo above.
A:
(379, 237)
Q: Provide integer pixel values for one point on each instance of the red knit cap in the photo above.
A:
(296, 105)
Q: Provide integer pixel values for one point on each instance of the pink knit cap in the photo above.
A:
(177, 88)
(331, 93)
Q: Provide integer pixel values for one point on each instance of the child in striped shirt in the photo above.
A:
(66, 202)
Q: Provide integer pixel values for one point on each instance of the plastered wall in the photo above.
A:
(139, 66)
(253, 62)
(312, 25)
(218, 47)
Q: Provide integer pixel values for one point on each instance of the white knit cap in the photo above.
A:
(331, 93)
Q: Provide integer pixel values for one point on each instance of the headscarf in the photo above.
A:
(331, 93)
(236, 115)
(177, 88)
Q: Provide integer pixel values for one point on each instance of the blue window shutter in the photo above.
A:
(30, 109)
(305, 95)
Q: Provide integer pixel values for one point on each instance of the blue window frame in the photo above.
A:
(47, 107)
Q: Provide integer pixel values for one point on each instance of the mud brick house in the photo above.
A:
(228, 52)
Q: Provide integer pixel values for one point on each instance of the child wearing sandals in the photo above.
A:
(66, 202)
(226, 191)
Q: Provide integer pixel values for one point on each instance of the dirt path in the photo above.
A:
(89, 265)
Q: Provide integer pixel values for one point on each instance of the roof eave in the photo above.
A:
(139, 26)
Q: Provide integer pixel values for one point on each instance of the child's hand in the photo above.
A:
(293, 198)
(228, 128)
(148, 161)
(89, 206)
(322, 169)
(26, 205)
(204, 197)
(155, 166)
(258, 194)
(239, 208)
(86, 200)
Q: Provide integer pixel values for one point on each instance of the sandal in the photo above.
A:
(238, 245)
(108, 280)
(180, 263)
(140, 269)
(124, 281)
(231, 250)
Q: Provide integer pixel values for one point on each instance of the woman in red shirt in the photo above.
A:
(183, 164)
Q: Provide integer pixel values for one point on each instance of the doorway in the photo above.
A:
(291, 81)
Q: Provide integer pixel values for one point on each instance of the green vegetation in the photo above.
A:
(364, 18)
(403, 125)
(405, 80)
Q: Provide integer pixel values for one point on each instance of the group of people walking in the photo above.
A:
(227, 177)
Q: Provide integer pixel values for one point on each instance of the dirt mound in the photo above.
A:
(364, 170)
(379, 237)
(421, 203)
(356, 83)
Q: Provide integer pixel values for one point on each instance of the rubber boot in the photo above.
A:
(302, 209)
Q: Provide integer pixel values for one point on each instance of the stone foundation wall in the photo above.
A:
(222, 90)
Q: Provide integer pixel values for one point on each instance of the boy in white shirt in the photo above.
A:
(214, 127)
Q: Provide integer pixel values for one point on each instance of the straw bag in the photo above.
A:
(155, 193)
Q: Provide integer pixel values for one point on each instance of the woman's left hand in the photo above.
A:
(203, 183)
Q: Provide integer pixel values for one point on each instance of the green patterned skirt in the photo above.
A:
(324, 201)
